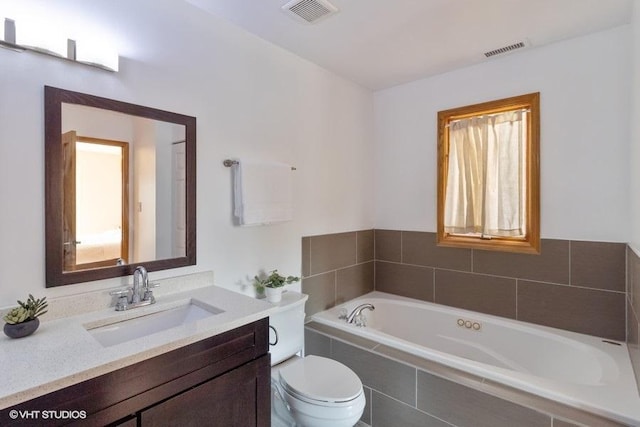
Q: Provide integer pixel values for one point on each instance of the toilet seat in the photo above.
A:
(321, 381)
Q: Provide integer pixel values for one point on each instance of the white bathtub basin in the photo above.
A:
(121, 331)
(579, 370)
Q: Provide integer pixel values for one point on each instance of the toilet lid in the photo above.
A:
(321, 379)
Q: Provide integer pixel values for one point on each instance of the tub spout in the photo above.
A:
(358, 310)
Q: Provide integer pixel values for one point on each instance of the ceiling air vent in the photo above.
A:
(309, 11)
(505, 49)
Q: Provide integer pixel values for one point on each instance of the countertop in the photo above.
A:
(62, 352)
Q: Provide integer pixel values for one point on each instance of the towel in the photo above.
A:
(262, 192)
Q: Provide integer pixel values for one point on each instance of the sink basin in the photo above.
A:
(138, 327)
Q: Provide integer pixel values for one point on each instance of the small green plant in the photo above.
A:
(273, 280)
(27, 310)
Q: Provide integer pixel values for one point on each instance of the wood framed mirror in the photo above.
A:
(120, 188)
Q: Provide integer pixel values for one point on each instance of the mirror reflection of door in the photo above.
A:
(96, 221)
(69, 205)
(179, 201)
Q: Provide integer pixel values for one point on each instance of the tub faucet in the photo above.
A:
(358, 310)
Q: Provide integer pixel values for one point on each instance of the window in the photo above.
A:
(488, 175)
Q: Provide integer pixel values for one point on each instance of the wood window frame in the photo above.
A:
(530, 243)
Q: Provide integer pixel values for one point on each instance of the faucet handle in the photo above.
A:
(120, 292)
(123, 298)
(148, 293)
(123, 303)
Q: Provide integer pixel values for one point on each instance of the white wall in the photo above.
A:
(250, 99)
(584, 84)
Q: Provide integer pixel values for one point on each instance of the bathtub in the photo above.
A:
(581, 371)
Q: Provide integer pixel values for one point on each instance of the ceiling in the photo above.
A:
(383, 43)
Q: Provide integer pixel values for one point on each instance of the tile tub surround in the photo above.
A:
(336, 268)
(633, 310)
(573, 285)
(403, 389)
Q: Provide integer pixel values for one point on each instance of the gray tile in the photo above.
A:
(406, 280)
(391, 378)
(388, 245)
(634, 288)
(388, 412)
(317, 344)
(598, 265)
(332, 251)
(633, 341)
(561, 423)
(341, 335)
(306, 256)
(321, 290)
(366, 246)
(630, 260)
(464, 406)
(366, 415)
(420, 248)
(439, 369)
(628, 254)
(354, 281)
(551, 265)
(543, 405)
(478, 292)
(588, 311)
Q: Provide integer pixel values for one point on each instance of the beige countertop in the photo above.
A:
(62, 352)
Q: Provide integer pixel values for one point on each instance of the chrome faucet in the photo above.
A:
(141, 293)
(139, 274)
(358, 311)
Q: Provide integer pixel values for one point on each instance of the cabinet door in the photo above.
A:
(129, 422)
(236, 398)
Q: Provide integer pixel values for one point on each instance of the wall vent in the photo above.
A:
(505, 49)
(309, 11)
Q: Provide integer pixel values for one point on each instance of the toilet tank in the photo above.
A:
(286, 327)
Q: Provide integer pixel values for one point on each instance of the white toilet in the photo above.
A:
(312, 391)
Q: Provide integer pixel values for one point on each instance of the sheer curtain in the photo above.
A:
(486, 175)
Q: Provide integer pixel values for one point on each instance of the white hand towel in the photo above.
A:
(262, 192)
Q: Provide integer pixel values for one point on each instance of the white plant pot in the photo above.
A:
(273, 294)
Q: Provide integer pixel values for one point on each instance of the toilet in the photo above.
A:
(310, 391)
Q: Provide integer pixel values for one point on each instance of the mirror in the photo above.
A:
(120, 188)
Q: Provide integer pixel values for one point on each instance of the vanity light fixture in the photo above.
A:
(97, 54)
(8, 34)
(40, 39)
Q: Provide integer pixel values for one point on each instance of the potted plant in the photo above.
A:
(273, 284)
(23, 320)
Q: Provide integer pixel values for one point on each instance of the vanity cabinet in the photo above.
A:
(228, 400)
(223, 380)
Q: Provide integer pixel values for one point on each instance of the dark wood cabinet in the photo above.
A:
(228, 400)
(220, 381)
